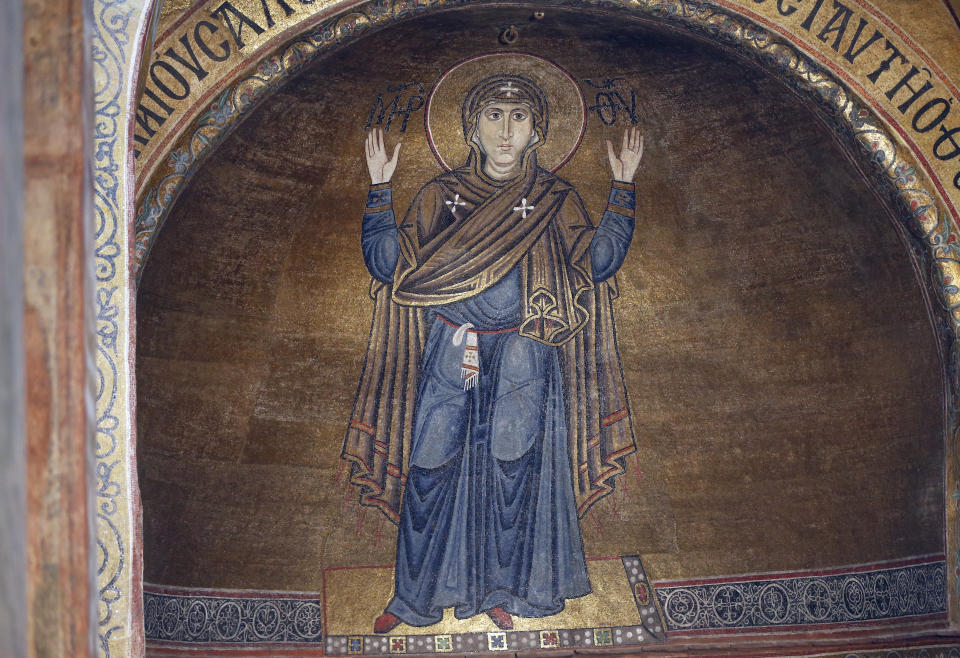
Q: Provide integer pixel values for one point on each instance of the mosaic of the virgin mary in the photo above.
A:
(492, 411)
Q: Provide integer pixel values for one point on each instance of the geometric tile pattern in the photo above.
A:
(838, 598)
(206, 619)
(509, 642)
(650, 614)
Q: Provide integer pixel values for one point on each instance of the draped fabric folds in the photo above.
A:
(536, 222)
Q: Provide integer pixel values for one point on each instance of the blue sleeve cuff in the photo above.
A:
(623, 198)
(379, 198)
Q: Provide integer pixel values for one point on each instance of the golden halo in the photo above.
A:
(566, 106)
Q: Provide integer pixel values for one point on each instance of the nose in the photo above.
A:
(506, 128)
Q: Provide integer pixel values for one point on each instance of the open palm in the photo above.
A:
(380, 166)
(625, 165)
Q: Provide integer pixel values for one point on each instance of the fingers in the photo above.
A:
(632, 140)
(611, 154)
(374, 142)
(396, 152)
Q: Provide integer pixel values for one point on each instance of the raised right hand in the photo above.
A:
(625, 165)
(381, 168)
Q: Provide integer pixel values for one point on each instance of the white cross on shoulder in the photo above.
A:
(523, 208)
(452, 205)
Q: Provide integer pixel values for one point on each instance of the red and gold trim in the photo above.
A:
(619, 210)
(369, 210)
(613, 468)
(615, 417)
(363, 427)
(394, 471)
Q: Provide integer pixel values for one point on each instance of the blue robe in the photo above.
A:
(488, 517)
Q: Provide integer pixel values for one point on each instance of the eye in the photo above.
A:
(519, 116)
(493, 115)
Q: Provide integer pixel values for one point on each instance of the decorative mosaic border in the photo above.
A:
(804, 601)
(840, 598)
(218, 619)
(647, 606)
(513, 641)
(111, 32)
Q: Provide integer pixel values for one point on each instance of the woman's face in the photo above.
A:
(504, 131)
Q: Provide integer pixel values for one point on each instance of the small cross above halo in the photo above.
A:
(523, 208)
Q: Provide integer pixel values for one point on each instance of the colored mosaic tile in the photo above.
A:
(355, 645)
(497, 641)
(442, 643)
(641, 592)
(602, 637)
(549, 639)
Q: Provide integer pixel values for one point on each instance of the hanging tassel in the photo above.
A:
(470, 366)
(470, 363)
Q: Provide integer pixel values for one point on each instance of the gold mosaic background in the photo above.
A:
(780, 362)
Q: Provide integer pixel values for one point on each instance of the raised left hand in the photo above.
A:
(379, 164)
(625, 166)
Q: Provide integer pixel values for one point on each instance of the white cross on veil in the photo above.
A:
(509, 90)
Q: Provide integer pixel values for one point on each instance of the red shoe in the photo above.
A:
(387, 622)
(501, 618)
